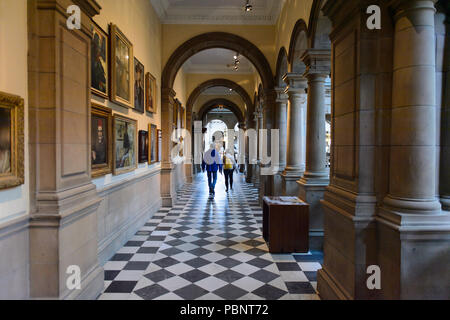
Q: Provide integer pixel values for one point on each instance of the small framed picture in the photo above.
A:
(125, 144)
(150, 93)
(121, 68)
(139, 85)
(143, 146)
(153, 140)
(101, 140)
(11, 141)
(99, 61)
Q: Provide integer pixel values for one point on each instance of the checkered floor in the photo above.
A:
(204, 249)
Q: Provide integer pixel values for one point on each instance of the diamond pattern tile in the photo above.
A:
(208, 249)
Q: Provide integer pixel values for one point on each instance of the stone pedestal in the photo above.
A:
(63, 219)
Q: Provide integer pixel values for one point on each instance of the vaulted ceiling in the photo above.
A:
(265, 12)
(217, 61)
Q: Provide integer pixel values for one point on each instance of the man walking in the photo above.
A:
(212, 163)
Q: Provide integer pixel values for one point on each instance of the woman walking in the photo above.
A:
(229, 164)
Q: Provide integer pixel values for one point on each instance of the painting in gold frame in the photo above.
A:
(153, 148)
(150, 93)
(125, 135)
(11, 141)
(99, 61)
(101, 141)
(122, 68)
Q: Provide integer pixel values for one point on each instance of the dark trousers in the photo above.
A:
(229, 177)
(212, 179)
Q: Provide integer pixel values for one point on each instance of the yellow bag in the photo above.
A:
(228, 164)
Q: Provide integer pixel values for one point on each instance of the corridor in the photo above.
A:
(208, 249)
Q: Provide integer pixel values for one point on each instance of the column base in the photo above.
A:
(289, 182)
(329, 289)
(311, 191)
(278, 184)
(414, 259)
(167, 196)
(349, 245)
(63, 232)
(445, 201)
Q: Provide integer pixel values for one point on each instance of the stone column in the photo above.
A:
(168, 192)
(316, 176)
(414, 233)
(281, 125)
(259, 125)
(294, 152)
(241, 156)
(413, 133)
(63, 219)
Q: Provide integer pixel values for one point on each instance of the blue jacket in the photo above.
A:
(211, 161)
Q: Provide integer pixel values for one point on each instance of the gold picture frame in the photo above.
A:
(150, 93)
(99, 112)
(11, 141)
(153, 144)
(125, 140)
(99, 61)
(122, 68)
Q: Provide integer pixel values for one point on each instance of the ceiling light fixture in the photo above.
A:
(248, 7)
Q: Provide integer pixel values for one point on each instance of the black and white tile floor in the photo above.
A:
(203, 249)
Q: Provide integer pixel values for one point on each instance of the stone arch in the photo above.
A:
(226, 103)
(217, 83)
(216, 40)
(297, 46)
(319, 27)
(282, 68)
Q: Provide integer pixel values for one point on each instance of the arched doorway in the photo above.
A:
(185, 51)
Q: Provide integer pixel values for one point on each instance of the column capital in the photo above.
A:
(282, 97)
(401, 7)
(296, 83)
(317, 61)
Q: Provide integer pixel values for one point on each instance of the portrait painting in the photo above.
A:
(101, 152)
(153, 148)
(99, 61)
(5, 141)
(125, 144)
(121, 68)
(143, 146)
(139, 85)
(150, 93)
(11, 140)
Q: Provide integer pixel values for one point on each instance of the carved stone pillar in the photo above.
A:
(281, 125)
(349, 204)
(168, 192)
(63, 221)
(414, 233)
(295, 155)
(316, 176)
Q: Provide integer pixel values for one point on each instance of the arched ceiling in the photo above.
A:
(217, 61)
